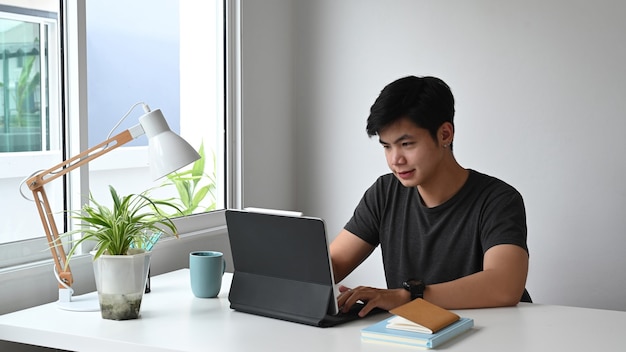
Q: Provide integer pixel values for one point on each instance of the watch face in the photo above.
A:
(408, 284)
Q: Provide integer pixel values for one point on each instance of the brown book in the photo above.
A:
(420, 315)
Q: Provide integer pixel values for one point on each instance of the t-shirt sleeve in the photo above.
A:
(365, 222)
(504, 220)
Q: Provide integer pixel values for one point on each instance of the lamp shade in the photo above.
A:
(168, 151)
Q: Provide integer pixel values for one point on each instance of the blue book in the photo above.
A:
(380, 333)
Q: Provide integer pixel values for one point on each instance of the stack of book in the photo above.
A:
(418, 323)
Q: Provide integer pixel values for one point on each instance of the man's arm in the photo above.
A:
(347, 251)
(501, 283)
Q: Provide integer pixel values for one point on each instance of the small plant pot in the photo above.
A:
(121, 282)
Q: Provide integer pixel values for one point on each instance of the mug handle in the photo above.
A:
(223, 265)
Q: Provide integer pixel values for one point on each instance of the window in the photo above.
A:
(168, 54)
(24, 114)
(165, 54)
(30, 119)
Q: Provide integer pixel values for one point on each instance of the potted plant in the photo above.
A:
(123, 235)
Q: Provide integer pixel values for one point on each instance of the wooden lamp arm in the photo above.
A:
(37, 182)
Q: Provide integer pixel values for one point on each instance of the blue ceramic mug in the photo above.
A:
(206, 269)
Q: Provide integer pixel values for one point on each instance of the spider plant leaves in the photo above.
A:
(131, 221)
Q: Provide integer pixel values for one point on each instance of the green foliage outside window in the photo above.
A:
(194, 186)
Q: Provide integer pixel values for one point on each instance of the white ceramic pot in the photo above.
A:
(121, 282)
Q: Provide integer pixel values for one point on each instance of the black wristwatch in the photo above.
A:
(415, 287)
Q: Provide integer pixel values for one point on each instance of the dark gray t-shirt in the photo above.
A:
(443, 243)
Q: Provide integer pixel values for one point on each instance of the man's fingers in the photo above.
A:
(343, 288)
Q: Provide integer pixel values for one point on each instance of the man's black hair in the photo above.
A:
(427, 101)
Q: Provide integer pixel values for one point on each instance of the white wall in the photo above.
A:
(540, 104)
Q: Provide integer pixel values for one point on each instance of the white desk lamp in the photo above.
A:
(168, 153)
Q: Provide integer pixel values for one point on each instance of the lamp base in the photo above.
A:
(84, 303)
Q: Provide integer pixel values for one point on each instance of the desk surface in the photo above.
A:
(172, 319)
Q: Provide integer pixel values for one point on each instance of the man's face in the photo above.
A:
(412, 153)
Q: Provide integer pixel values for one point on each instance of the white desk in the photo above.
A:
(172, 319)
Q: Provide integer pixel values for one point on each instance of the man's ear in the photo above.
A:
(446, 133)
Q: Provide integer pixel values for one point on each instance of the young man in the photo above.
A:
(451, 235)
